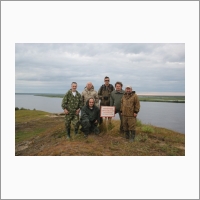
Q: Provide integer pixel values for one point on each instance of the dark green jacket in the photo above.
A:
(90, 114)
(71, 102)
(115, 99)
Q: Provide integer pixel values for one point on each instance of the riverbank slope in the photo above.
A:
(39, 133)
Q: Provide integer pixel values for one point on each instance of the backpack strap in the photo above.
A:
(101, 89)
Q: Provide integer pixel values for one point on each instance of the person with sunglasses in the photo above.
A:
(104, 93)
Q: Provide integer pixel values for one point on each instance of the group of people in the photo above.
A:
(126, 104)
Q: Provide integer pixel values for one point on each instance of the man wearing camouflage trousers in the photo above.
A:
(130, 106)
(72, 104)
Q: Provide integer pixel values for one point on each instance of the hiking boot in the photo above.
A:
(68, 137)
(101, 120)
(76, 131)
(68, 133)
(127, 134)
(86, 134)
(121, 130)
(96, 131)
(132, 137)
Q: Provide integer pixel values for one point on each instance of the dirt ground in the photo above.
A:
(50, 140)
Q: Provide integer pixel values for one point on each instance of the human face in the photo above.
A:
(89, 85)
(74, 86)
(118, 87)
(107, 80)
(128, 90)
(91, 103)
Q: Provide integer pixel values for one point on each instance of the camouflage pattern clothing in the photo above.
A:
(104, 94)
(130, 104)
(72, 103)
(86, 94)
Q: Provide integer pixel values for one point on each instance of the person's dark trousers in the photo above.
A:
(76, 128)
(85, 127)
(93, 128)
(101, 120)
(121, 118)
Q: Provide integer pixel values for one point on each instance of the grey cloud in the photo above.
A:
(146, 66)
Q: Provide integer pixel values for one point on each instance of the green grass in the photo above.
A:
(28, 115)
(147, 129)
(26, 135)
(38, 134)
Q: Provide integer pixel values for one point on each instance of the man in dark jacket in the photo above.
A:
(89, 120)
(115, 100)
(104, 94)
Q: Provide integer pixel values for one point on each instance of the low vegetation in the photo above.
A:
(170, 99)
(39, 133)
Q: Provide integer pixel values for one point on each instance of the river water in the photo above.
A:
(161, 114)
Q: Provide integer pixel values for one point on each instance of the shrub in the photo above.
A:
(147, 129)
(138, 123)
(23, 108)
(16, 108)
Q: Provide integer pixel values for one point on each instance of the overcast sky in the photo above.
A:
(50, 68)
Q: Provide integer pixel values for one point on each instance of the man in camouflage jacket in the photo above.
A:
(104, 94)
(89, 92)
(72, 104)
(130, 106)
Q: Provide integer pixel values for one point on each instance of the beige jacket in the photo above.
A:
(130, 104)
(86, 94)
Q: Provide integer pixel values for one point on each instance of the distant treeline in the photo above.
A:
(172, 99)
(148, 98)
(42, 94)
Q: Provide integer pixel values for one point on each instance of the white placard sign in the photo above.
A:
(107, 111)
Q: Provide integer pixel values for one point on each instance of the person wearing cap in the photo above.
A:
(115, 100)
(104, 95)
(72, 104)
(130, 107)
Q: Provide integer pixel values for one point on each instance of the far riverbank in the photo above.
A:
(147, 98)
